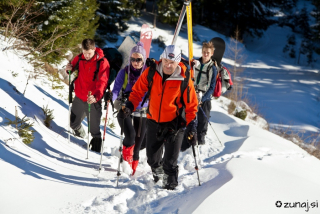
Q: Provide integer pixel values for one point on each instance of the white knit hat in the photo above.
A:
(171, 52)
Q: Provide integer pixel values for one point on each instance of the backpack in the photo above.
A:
(223, 81)
(152, 64)
(115, 60)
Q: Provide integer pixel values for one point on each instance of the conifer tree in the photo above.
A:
(23, 128)
(169, 11)
(113, 16)
(250, 16)
(316, 27)
(74, 20)
(56, 27)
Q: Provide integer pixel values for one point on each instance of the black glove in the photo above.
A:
(192, 132)
(192, 138)
(123, 113)
(108, 96)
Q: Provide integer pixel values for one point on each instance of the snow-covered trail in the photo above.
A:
(262, 169)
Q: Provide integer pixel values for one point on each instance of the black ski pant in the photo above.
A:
(131, 133)
(80, 109)
(156, 140)
(203, 121)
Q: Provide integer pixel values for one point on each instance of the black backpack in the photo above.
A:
(115, 60)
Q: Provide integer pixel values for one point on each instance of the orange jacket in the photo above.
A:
(164, 99)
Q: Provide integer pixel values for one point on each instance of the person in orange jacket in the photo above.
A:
(163, 123)
(89, 80)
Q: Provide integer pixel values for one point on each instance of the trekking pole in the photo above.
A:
(70, 101)
(69, 58)
(195, 160)
(210, 125)
(104, 133)
(89, 106)
(120, 150)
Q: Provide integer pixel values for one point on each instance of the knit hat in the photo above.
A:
(171, 52)
(139, 49)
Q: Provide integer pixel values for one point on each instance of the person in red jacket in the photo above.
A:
(163, 124)
(89, 80)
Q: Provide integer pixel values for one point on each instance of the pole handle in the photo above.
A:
(89, 94)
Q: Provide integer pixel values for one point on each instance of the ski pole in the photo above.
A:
(210, 125)
(70, 101)
(69, 58)
(89, 106)
(104, 134)
(195, 160)
(120, 150)
(180, 20)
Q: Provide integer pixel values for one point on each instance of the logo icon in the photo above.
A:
(171, 55)
(278, 204)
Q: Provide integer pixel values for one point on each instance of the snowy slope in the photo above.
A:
(248, 174)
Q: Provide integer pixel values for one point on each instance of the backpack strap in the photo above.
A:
(76, 67)
(152, 71)
(208, 69)
(183, 87)
(97, 69)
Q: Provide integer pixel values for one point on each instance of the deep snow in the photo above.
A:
(248, 174)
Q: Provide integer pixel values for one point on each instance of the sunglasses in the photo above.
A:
(135, 59)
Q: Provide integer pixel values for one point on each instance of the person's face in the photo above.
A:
(206, 54)
(169, 66)
(136, 60)
(88, 54)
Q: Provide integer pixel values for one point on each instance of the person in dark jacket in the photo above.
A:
(87, 81)
(125, 80)
(205, 74)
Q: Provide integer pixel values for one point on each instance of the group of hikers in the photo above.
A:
(158, 104)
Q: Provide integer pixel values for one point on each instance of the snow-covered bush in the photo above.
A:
(24, 129)
(48, 116)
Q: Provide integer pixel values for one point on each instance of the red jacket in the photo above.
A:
(84, 83)
(164, 99)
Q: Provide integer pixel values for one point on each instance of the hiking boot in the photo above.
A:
(80, 132)
(95, 144)
(170, 182)
(201, 139)
(157, 174)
